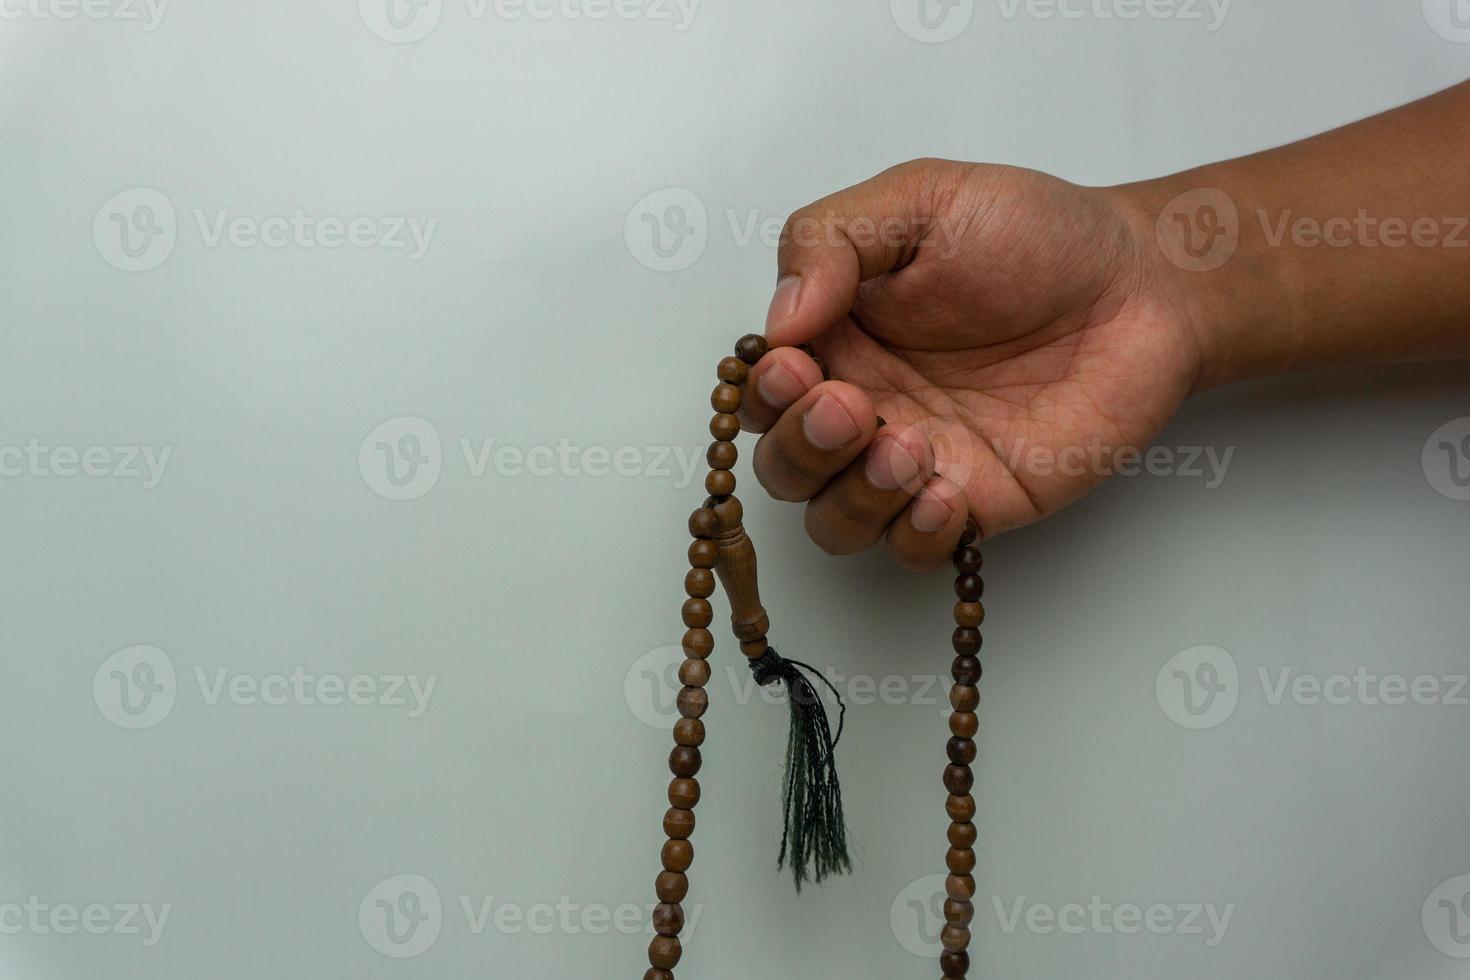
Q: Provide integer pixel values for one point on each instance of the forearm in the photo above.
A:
(1353, 246)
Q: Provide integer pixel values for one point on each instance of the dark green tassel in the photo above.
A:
(814, 838)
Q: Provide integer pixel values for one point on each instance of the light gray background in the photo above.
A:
(535, 600)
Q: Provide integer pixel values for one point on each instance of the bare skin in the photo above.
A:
(1023, 336)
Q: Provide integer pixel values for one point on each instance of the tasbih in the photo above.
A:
(814, 839)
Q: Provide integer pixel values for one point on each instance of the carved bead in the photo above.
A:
(751, 348)
(703, 523)
(703, 554)
(678, 824)
(964, 697)
(724, 427)
(694, 672)
(684, 794)
(967, 560)
(966, 670)
(968, 588)
(729, 510)
(969, 613)
(725, 398)
(668, 919)
(693, 702)
(698, 642)
(960, 834)
(733, 370)
(964, 723)
(961, 750)
(958, 779)
(698, 613)
(960, 860)
(677, 855)
(959, 808)
(664, 952)
(967, 640)
(689, 731)
(671, 886)
(721, 455)
(684, 760)
(719, 483)
(699, 583)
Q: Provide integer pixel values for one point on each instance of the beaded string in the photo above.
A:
(721, 547)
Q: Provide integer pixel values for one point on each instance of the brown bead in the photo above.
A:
(729, 510)
(967, 640)
(677, 855)
(959, 780)
(719, 483)
(664, 952)
(693, 702)
(703, 554)
(694, 672)
(960, 860)
(968, 588)
(721, 455)
(671, 886)
(698, 642)
(964, 723)
(684, 760)
(724, 427)
(725, 398)
(960, 913)
(751, 348)
(961, 888)
(654, 973)
(967, 560)
(959, 808)
(684, 794)
(970, 533)
(668, 918)
(969, 613)
(698, 613)
(961, 750)
(964, 697)
(954, 963)
(703, 523)
(960, 834)
(966, 670)
(689, 731)
(754, 648)
(699, 583)
(733, 370)
(954, 938)
(678, 824)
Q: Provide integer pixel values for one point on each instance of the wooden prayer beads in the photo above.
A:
(722, 550)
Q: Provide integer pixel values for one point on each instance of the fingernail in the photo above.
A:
(779, 386)
(784, 302)
(930, 512)
(891, 465)
(828, 426)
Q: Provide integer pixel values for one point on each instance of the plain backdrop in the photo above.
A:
(459, 465)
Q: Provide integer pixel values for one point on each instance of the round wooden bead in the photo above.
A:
(967, 588)
(724, 427)
(677, 855)
(964, 723)
(954, 963)
(969, 613)
(966, 670)
(970, 533)
(959, 780)
(733, 370)
(960, 860)
(654, 973)
(693, 702)
(719, 483)
(967, 560)
(684, 760)
(664, 952)
(960, 913)
(721, 455)
(698, 613)
(964, 697)
(684, 794)
(694, 672)
(954, 938)
(698, 642)
(960, 834)
(689, 731)
(966, 641)
(699, 583)
(668, 918)
(703, 554)
(703, 523)
(671, 886)
(960, 808)
(961, 750)
(961, 888)
(751, 348)
(678, 824)
(725, 398)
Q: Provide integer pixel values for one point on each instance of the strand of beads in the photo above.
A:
(718, 512)
(964, 697)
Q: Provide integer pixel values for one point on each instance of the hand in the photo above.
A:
(997, 319)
